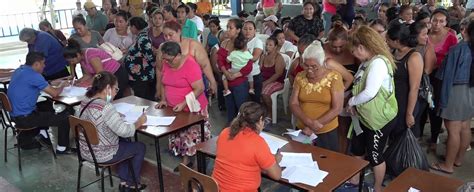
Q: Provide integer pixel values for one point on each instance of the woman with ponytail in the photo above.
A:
(93, 61)
(317, 98)
(238, 82)
(242, 171)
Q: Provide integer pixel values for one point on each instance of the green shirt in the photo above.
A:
(98, 22)
(189, 30)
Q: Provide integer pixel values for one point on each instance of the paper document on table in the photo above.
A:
(291, 159)
(308, 174)
(413, 190)
(297, 135)
(156, 120)
(131, 116)
(139, 108)
(123, 107)
(73, 91)
(273, 142)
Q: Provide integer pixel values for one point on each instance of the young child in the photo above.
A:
(238, 58)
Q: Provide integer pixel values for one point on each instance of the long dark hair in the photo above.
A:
(72, 49)
(100, 82)
(401, 32)
(250, 113)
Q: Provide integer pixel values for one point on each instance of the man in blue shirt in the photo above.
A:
(43, 42)
(25, 87)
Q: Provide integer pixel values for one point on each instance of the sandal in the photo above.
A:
(436, 167)
(443, 158)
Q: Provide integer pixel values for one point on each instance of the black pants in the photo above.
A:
(122, 78)
(43, 117)
(257, 85)
(435, 120)
(144, 89)
(421, 107)
(57, 75)
(328, 140)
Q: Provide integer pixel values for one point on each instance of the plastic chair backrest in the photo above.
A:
(189, 177)
(287, 63)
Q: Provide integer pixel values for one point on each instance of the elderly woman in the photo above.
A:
(242, 171)
(181, 76)
(317, 98)
(238, 82)
(119, 36)
(140, 61)
(190, 47)
(373, 85)
(456, 101)
(273, 70)
(283, 45)
(86, 38)
(98, 109)
(46, 27)
(93, 61)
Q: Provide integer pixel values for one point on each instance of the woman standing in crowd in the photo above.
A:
(378, 25)
(172, 32)
(140, 61)
(456, 101)
(405, 14)
(337, 49)
(273, 70)
(373, 84)
(215, 34)
(307, 23)
(98, 109)
(442, 39)
(255, 46)
(46, 27)
(85, 37)
(254, 157)
(181, 75)
(119, 36)
(407, 76)
(425, 48)
(169, 14)
(238, 83)
(93, 61)
(284, 46)
(317, 98)
(155, 32)
(189, 28)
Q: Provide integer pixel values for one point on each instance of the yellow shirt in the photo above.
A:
(136, 8)
(315, 99)
(203, 8)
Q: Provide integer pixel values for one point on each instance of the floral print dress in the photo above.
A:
(140, 59)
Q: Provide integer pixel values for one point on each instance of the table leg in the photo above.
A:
(201, 160)
(158, 162)
(361, 179)
(203, 135)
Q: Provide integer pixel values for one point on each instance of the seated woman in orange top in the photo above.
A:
(241, 171)
(317, 98)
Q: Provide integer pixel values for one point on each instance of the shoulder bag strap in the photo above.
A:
(85, 107)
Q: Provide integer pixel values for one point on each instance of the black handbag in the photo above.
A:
(426, 90)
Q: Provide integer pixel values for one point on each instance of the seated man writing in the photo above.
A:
(25, 87)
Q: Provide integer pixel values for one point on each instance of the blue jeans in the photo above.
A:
(257, 85)
(233, 101)
(327, 22)
(126, 148)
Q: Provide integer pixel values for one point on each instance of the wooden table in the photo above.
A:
(339, 166)
(423, 181)
(183, 120)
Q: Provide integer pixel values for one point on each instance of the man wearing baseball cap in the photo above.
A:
(271, 24)
(95, 20)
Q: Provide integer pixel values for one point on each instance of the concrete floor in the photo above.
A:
(42, 173)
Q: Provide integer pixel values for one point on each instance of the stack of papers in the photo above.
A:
(297, 135)
(273, 142)
(300, 168)
(73, 91)
(132, 116)
(124, 108)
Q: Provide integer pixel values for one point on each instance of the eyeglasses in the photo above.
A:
(116, 89)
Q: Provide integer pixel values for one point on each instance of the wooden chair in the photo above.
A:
(86, 130)
(17, 131)
(190, 178)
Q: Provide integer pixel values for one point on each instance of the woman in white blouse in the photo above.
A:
(120, 36)
(285, 46)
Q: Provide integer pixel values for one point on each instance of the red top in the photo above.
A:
(442, 48)
(297, 70)
(239, 161)
(268, 72)
(222, 62)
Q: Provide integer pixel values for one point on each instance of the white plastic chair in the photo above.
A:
(263, 38)
(285, 92)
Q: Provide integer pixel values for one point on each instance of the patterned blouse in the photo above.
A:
(300, 26)
(140, 59)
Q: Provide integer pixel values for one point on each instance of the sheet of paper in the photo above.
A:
(297, 135)
(291, 159)
(131, 117)
(155, 130)
(123, 107)
(413, 190)
(139, 108)
(307, 176)
(273, 142)
(73, 91)
(155, 120)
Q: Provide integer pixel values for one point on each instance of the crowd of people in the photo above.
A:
(392, 72)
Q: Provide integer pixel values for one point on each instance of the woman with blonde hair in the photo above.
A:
(317, 98)
(373, 100)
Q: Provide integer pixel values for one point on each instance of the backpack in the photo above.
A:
(113, 51)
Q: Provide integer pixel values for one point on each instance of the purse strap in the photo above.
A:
(85, 107)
